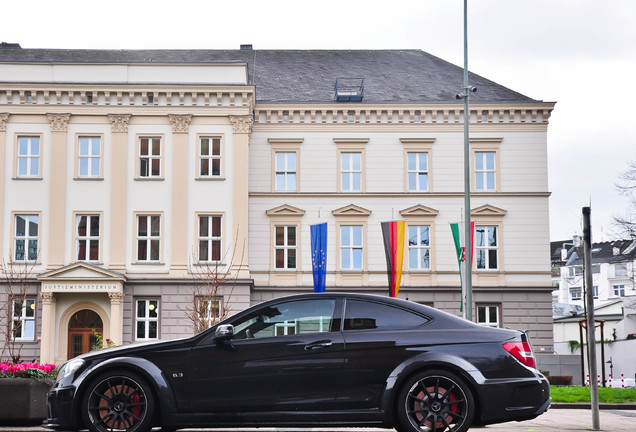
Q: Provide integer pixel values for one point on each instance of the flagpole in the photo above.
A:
(467, 234)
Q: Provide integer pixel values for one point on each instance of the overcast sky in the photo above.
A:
(578, 53)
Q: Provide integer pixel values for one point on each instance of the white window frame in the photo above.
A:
(207, 306)
(210, 239)
(23, 318)
(146, 320)
(286, 171)
(487, 321)
(485, 173)
(576, 290)
(595, 291)
(619, 290)
(486, 248)
(285, 247)
(29, 156)
(417, 171)
(350, 172)
(210, 157)
(88, 238)
(348, 251)
(418, 249)
(27, 237)
(150, 157)
(149, 238)
(90, 157)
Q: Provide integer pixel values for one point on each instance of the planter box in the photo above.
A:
(22, 401)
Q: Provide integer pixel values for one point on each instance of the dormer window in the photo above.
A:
(349, 89)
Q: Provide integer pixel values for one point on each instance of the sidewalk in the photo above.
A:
(555, 420)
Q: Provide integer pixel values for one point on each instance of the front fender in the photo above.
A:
(427, 360)
(144, 368)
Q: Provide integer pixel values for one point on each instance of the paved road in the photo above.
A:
(555, 420)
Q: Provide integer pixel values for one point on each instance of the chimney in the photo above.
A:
(246, 47)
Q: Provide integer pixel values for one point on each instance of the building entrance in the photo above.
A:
(83, 328)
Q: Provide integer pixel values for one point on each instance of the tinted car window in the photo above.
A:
(362, 315)
(297, 317)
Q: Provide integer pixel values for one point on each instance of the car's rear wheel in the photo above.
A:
(435, 401)
(118, 401)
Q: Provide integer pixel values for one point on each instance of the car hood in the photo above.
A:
(132, 349)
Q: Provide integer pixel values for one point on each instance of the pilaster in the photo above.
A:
(119, 139)
(179, 254)
(242, 128)
(4, 119)
(48, 334)
(116, 317)
(57, 192)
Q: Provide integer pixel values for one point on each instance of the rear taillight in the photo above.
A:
(522, 351)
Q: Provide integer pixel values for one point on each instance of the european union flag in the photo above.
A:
(319, 255)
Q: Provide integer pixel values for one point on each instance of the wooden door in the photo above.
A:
(83, 328)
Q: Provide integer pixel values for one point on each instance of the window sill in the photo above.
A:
(27, 178)
(152, 263)
(143, 179)
(210, 178)
(88, 178)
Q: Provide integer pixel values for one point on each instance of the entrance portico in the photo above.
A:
(67, 291)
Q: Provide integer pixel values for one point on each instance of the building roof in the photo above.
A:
(615, 251)
(297, 76)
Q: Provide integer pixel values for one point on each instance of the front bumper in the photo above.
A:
(61, 409)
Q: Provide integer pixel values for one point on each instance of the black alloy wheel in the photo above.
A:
(118, 401)
(435, 401)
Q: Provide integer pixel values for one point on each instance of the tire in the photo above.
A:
(118, 401)
(435, 401)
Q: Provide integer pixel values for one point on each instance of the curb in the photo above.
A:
(586, 405)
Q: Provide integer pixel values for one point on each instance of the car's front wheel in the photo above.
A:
(118, 401)
(436, 401)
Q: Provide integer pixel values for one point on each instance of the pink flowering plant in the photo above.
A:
(39, 372)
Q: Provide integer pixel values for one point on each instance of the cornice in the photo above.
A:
(428, 195)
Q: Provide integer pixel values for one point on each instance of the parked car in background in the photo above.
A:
(330, 359)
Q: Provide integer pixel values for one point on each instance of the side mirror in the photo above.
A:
(224, 332)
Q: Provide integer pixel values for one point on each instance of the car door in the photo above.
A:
(284, 356)
(378, 337)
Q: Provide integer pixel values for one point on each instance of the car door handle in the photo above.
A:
(318, 345)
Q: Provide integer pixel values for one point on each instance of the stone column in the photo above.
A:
(4, 118)
(242, 126)
(48, 334)
(116, 317)
(179, 211)
(57, 191)
(119, 139)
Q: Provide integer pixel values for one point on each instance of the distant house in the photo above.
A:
(613, 271)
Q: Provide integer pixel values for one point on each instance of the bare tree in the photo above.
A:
(16, 281)
(209, 291)
(626, 225)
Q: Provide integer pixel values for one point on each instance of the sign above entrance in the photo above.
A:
(81, 287)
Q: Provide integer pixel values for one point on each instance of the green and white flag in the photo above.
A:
(460, 250)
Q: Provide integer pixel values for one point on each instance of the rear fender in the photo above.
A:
(430, 360)
(142, 367)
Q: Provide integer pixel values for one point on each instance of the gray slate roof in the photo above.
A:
(390, 76)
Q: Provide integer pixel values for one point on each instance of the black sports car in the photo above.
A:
(329, 359)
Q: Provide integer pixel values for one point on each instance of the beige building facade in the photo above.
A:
(126, 175)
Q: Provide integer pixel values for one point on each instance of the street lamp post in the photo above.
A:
(591, 327)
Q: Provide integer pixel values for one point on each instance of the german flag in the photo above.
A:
(393, 234)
